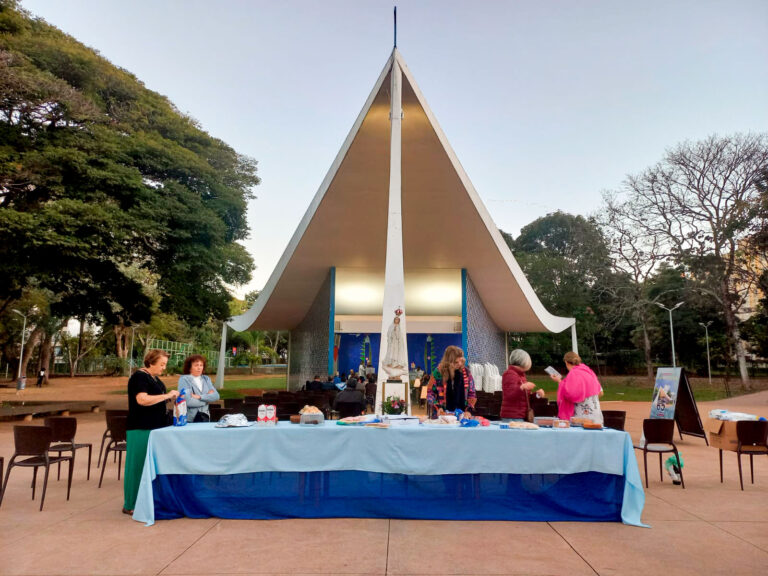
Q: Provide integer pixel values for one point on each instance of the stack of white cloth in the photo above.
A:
(478, 374)
(492, 378)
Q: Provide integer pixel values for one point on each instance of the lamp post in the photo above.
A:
(23, 333)
(706, 334)
(671, 330)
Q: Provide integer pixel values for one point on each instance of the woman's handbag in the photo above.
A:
(202, 417)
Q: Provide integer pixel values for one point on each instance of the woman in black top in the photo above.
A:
(146, 412)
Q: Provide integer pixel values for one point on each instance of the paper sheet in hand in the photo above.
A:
(552, 372)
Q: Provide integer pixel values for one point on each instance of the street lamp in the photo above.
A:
(706, 333)
(23, 333)
(671, 330)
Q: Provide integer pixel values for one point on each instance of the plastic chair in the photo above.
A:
(34, 442)
(117, 442)
(659, 438)
(752, 439)
(105, 436)
(64, 429)
(614, 419)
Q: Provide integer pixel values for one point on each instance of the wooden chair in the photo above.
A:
(659, 438)
(250, 411)
(752, 439)
(423, 395)
(347, 409)
(64, 429)
(545, 410)
(614, 419)
(117, 443)
(536, 401)
(233, 403)
(105, 436)
(216, 412)
(287, 409)
(34, 442)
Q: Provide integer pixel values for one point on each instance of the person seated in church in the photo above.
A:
(352, 381)
(349, 402)
(315, 384)
(451, 385)
(370, 392)
(328, 384)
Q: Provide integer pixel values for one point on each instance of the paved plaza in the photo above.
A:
(708, 528)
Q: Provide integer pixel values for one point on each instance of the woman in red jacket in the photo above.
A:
(515, 388)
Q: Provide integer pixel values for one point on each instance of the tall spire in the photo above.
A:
(393, 353)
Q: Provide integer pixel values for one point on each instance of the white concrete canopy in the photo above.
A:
(444, 223)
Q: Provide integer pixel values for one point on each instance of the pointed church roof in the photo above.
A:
(445, 224)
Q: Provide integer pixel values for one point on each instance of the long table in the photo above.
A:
(433, 472)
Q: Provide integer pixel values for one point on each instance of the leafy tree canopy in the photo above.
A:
(100, 176)
(563, 257)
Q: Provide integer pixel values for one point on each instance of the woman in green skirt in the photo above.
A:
(146, 412)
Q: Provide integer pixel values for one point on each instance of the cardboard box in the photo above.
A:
(722, 434)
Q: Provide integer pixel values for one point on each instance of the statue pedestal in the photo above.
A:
(396, 387)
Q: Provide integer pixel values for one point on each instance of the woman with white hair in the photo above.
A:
(515, 403)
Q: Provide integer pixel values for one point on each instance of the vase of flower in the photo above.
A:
(393, 405)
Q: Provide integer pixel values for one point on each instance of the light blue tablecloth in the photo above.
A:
(420, 450)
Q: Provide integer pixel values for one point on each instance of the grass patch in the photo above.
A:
(621, 388)
(233, 388)
(637, 389)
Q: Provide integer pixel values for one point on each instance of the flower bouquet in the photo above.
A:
(393, 405)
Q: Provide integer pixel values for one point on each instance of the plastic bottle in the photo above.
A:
(673, 468)
(180, 409)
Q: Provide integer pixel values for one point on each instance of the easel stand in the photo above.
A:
(397, 387)
(682, 408)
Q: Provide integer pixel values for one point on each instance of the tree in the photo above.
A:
(634, 258)
(565, 258)
(109, 178)
(80, 346)
(699, 203)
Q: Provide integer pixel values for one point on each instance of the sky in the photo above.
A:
(546, 103)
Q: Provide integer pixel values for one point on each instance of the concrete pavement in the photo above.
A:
(708, 528)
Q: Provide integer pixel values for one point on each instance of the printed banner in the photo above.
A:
(665, 393)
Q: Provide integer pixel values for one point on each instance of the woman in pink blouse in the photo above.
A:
(579, 391)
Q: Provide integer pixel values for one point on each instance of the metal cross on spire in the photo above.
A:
(395, 26)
